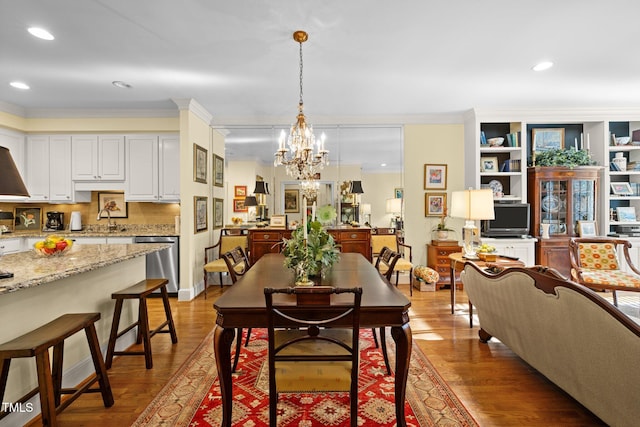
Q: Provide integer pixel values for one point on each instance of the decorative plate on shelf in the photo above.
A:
(496, 186)
(550, 203)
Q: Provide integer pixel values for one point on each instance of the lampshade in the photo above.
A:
(394, 206)
(250, 201)
(365, 209)
(472, 204)
(356, 187)
(261, 188)
(11, 184)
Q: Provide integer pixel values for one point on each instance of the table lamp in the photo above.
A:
(250, 202)
(356, 189)
(365, 210)
(262, 189)
(471, 205)
(394, 207)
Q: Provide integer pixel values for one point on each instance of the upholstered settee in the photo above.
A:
(567, 332)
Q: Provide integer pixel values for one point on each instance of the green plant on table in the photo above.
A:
(312, 257)
(561, 157)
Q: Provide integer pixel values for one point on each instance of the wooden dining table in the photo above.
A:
(243, 306)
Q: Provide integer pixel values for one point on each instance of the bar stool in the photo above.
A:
(140, 291)
(36, 344)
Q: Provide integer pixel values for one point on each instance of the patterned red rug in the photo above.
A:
(192, 396)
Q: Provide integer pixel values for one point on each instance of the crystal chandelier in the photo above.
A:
(301, 158)
(309, 188)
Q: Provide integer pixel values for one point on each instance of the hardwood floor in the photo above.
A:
(496, 386)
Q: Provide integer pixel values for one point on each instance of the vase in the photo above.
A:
(620, 161)
(442, 234)
(545, 230)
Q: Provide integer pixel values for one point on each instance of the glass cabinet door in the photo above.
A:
(583, 196)
(553, 205)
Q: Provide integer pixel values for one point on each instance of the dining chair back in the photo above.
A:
(313, 348)
(595, 264)
(237, 265)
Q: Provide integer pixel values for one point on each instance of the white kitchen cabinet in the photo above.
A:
(169, 168)
(98, 158)
(153, 168)
(11, 246)
(523, 249)
(48, 164)
(119, 240)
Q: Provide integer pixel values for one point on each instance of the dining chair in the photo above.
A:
(595, 264)
(385, 264)
(381, 237)
(313, 342)
(213, 262)
(237, 264)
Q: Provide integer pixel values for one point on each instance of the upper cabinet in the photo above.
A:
(48, 166)
(98, 158)
(153, 168)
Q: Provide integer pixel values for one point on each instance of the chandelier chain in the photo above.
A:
(301, 67)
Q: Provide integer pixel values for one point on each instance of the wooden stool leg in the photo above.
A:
(141, 308)
(45, 383)
(143, 327)
(56, 371)
(98, 363)
(167, 311)
(246, 343)
(114, 333)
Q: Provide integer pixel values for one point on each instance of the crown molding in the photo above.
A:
(195, 107)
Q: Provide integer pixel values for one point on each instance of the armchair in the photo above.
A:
(595, 264)
(213, 262)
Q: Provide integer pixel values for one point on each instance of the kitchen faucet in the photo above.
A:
(111, 226)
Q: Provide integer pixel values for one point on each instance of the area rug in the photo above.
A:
(192, 396)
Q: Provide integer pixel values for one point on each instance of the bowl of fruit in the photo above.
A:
(52, 246)
(486, 253)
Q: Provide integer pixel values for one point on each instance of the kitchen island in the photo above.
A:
(44, 288)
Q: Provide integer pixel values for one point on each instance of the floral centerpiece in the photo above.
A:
(312, 257)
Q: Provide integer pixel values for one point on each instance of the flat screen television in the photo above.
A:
(511, 220)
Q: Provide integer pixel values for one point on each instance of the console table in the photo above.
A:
(268, 240)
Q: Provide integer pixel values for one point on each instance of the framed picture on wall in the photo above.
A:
(200, 214)
(199, 164)
(238, 205)
(28, 218)
(435, 204)
(114, 203)
(435, 177)
(547, 139)
(218, 171)
(398, 193)
(291, 200)
(240, 191)
(218, 213)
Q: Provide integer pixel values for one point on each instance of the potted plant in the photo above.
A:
(441, 229)
(313, 257)
(560, 157)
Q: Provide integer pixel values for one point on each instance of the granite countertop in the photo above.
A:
(123, 230)
(30, 269)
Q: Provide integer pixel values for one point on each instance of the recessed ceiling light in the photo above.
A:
(40, 33)
(383, 164)
(19, 85)
(121, 84)
(545, 65)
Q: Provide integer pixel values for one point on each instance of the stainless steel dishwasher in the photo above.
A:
(164, 263)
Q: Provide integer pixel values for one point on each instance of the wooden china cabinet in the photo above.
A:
(560, 197)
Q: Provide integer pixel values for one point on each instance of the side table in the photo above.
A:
(457, 262)
(438, 259)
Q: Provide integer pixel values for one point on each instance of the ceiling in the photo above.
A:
(366, 62)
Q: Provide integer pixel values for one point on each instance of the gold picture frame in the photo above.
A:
(200, 214)
(218, 213)
(547, 139)
(27, 218)
(218, 171)
(199, 164)
(435, 177)
(435, 204)
(291, 201)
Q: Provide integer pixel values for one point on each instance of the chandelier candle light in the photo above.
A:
(302, 163)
